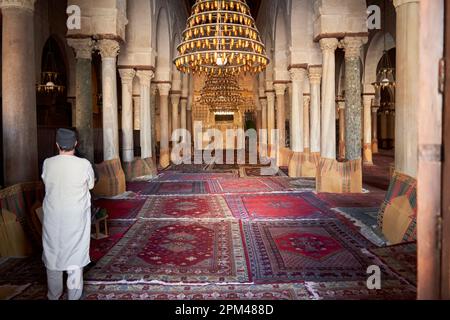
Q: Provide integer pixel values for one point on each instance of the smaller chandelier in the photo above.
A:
(221, 38)
(50, 77)
(221, 92)
(386, 74)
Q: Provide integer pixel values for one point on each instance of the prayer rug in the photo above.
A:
(117, 230)
(176, 251)
(34, 292)
(277, 206)
(189, 168)
(8, 292)
(120, 209)
(211, 207)
(208, 292)
(352, 200)
(257, 172)
(20, 271)
(169, 188)
(174, 176)
(401, 258)
(357, 290)
(305, 251)
(248, 185)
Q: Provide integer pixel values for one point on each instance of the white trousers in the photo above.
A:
(56, 286)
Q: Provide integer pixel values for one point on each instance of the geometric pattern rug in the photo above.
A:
(120, 209)
(191, 207)
(247, 185)
(176, 252)
(277, 206)
(325, 250)
(176, 176)
(168, 188)
(353, 200)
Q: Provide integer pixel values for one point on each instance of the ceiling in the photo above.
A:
(253, 4)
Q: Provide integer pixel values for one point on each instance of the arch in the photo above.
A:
(163, 47)
(282, 39)
(373, 57)
(269, 49)
(176, 75)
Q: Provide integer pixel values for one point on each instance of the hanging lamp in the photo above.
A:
(221, 38)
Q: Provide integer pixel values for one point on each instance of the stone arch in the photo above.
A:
(269, 72)
(281, 41)
(176, 75)
(163, 47)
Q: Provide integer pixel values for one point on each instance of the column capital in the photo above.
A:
(270, 96)
(269, 85)
(375, 109)
(328, 44)
(367, 99)
(280, 88)
(108, 48)
(297, 74)
(352, 46)
(315, 74)
(175, 98)
(145, 77)
(340, 104)
(306, 101)
(82, 47)
(164, 89)
(263, 101)
(27, 5)
(398, 3)
(127, 75)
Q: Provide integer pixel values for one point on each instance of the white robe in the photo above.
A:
(66, 230)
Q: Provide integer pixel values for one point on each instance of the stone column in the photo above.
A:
(20, 152)
(353, 103)
(297, 108)
(137, 112)
(83, 106)
(145, 79)
(175, 99)
(109, 49)
(164, 157)
(306, 124)
(328, 134)
(270, 116)
(384, 129)
(127, 76)
(341, 115)
(407, 87)
(367, 149)
(375, 130)
(280, 90)
(263, 101)
(183, 115)
(315, 75)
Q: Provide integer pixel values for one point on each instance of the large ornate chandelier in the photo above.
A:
(221, 38)
(221, 93)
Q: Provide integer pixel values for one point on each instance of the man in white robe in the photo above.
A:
(67, 217)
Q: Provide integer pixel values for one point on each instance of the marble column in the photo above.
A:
(384, 130)
(127, 77)
(407, 87)
(280, 90)
(183, 115)
(315, 76)
(367, 149)
(175, 100)
(145, 78)
(164, 157)
(353, 103)
(341, 115)
(137, 112)
(263, 101)
(297, 109)
(83, 106)
(20, 153)
(328, 127)
(375, 130)
(270, 116)
(109, 50)
(306, 124)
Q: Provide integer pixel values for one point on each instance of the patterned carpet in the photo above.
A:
(202, 232)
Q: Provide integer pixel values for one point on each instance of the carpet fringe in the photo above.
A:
(169, 284)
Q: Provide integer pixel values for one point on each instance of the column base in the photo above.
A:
(339, 177)
(367, 154)
(341, 150)
(398, 214)
(139, 168)
(111, 179)
(374, 146)
(303, 165)
(164, 158)
(284, 157)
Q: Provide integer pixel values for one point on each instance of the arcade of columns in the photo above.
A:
(313, 130)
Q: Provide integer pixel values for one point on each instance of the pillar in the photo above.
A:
(297, 113)
(341, 115)
(280, 90)
(164, 157)
(384, 129)
(270, 118)
(183, 115)
(83, 102)
(353, 103)
(315, 76)
(109, 49)
(328, 134)
(407, 87)
(127, 77)
(20, 152)
(375, 130)
(145, 79)
(306, 124)
(367, 148)
(175, 99)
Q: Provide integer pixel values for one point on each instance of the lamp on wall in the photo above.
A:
(221, 38)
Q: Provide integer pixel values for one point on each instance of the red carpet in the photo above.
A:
(120, 209)
(352, 200)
